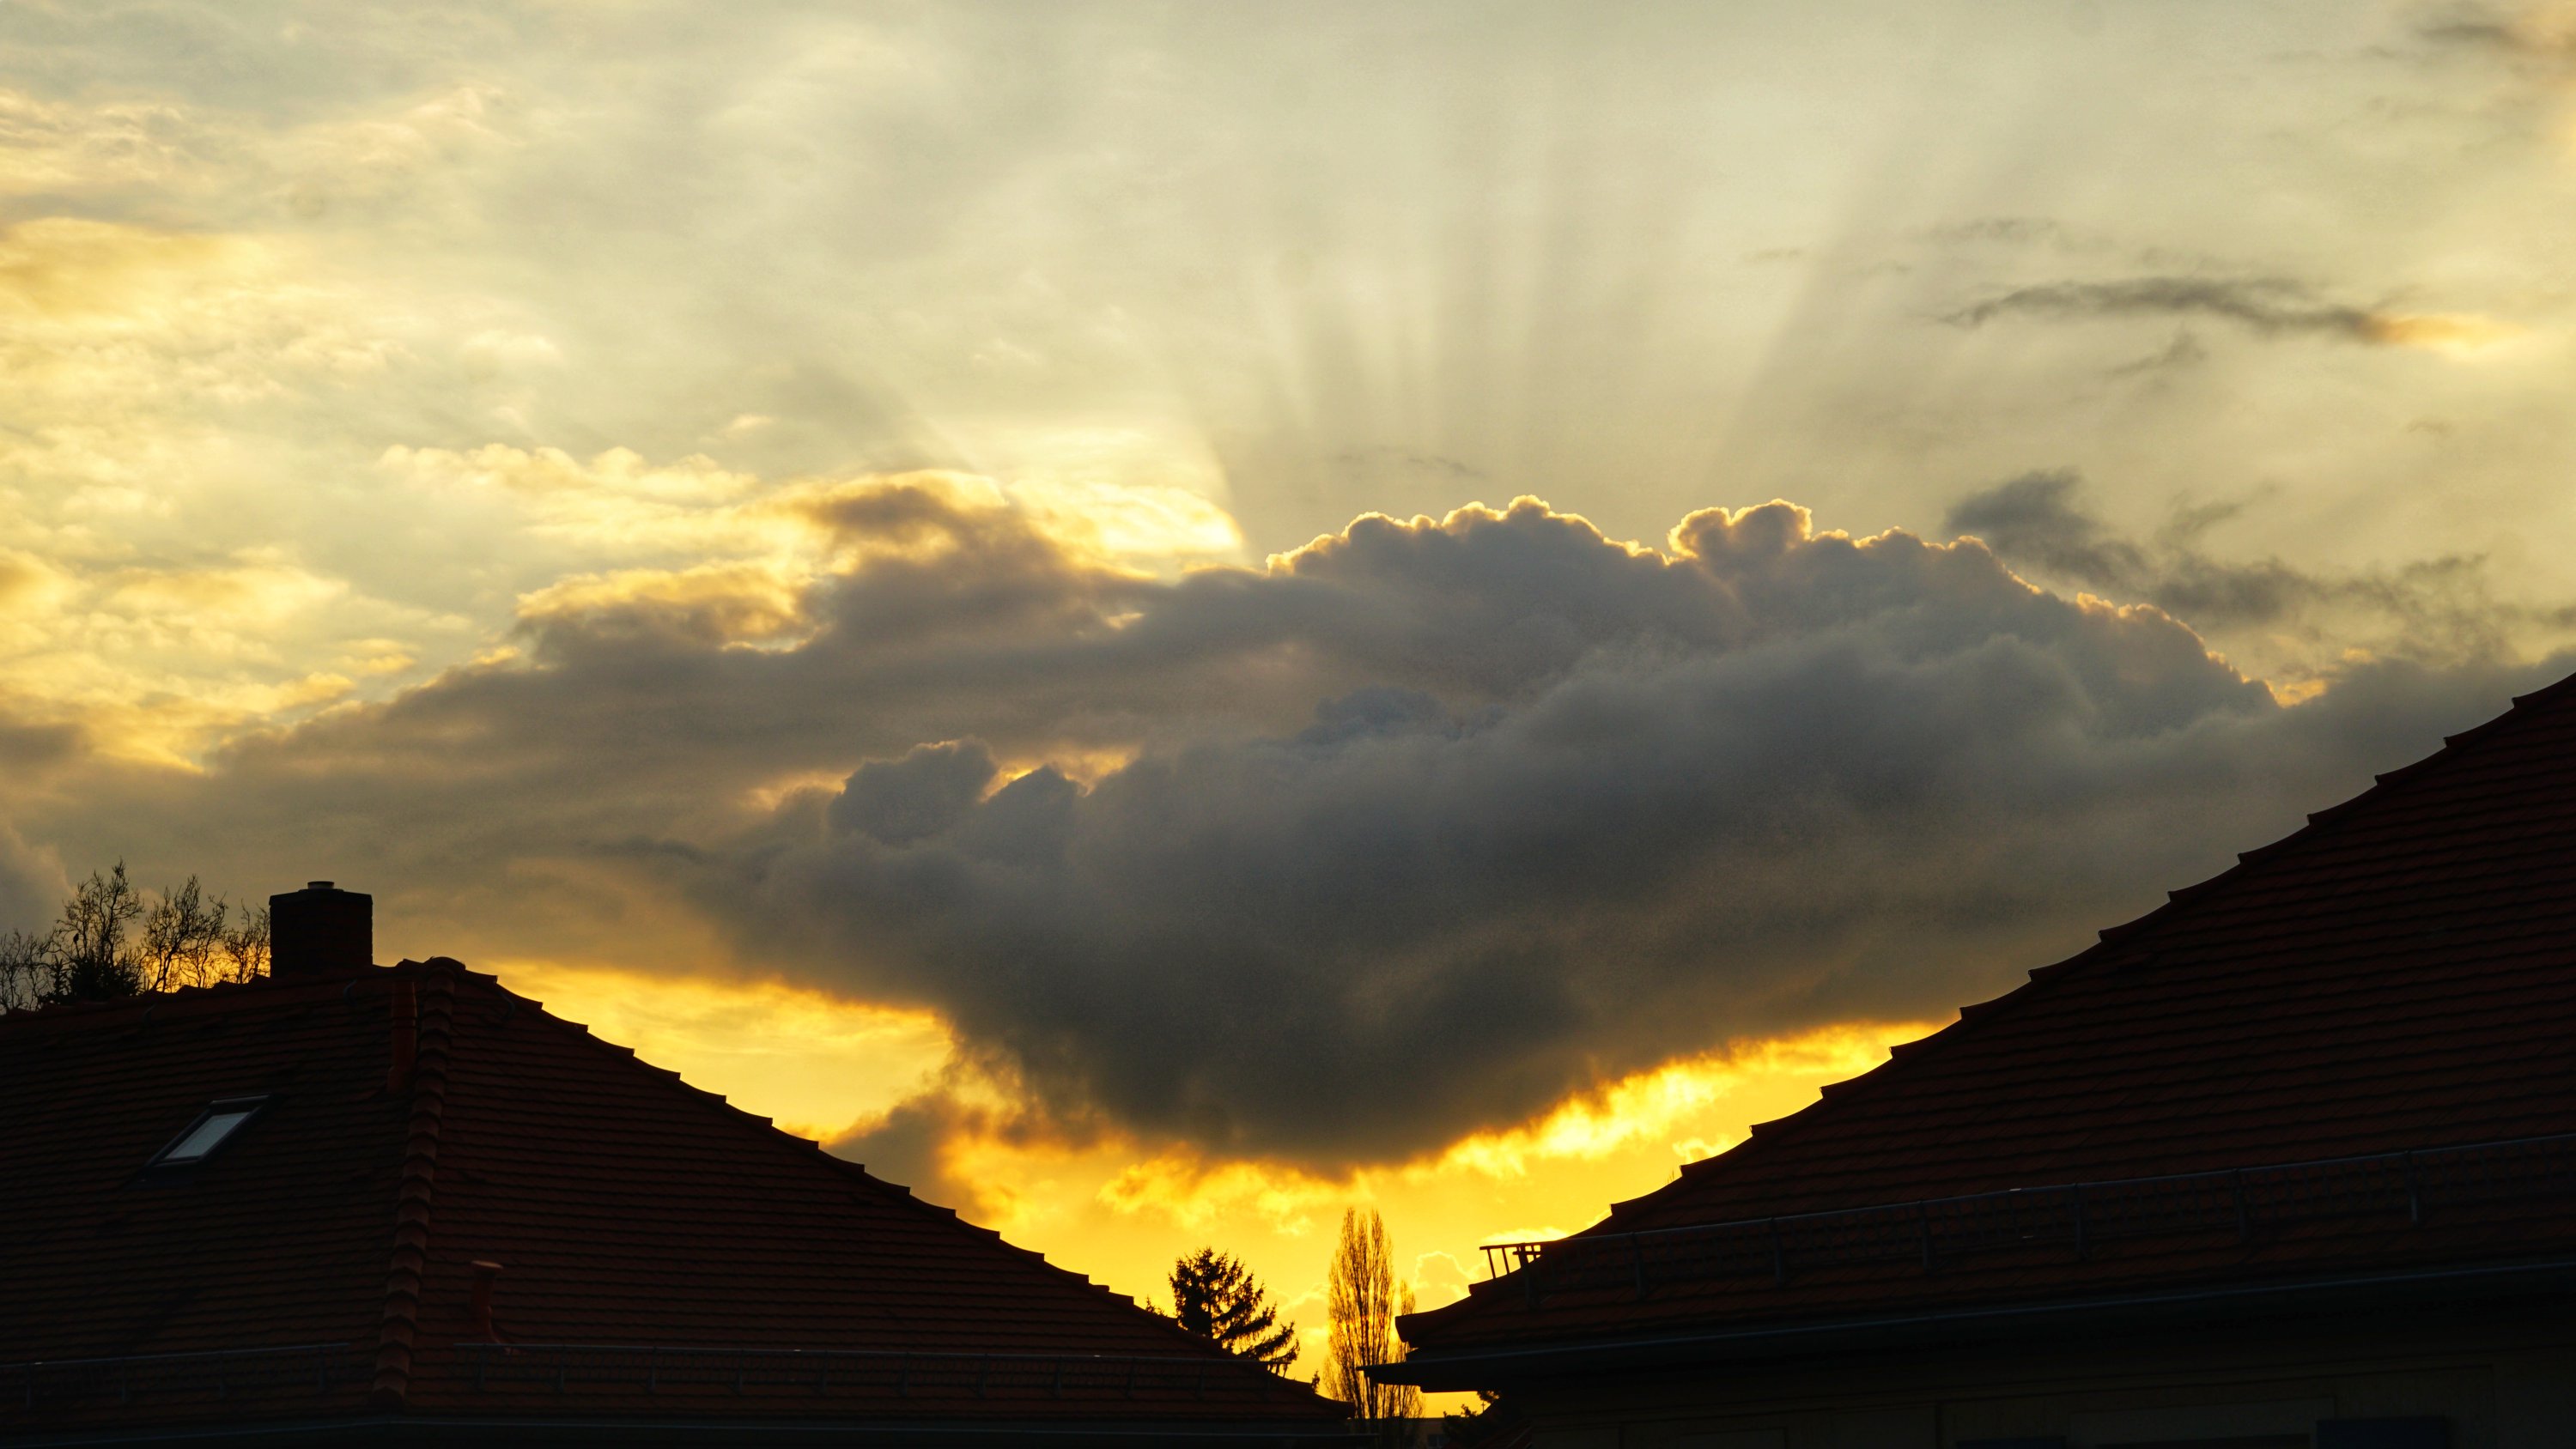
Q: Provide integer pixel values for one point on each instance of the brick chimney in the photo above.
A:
(320, 928)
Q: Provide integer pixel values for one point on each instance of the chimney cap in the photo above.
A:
(317, 885)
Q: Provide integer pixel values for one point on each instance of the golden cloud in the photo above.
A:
(1657, 1103)
(752, 602)
(801, 1057)
(106, 321)
(1128, 520)
(1644, 1110)
(2453, 334)
(212, 605)
(151, 659)
(618, 504)
(54, 147)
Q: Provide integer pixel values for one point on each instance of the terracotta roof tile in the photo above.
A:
(2401, 974)
(626, 1208)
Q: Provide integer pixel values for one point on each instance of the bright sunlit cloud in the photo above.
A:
(1678, 1097)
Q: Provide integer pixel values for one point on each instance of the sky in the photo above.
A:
(1159, 619)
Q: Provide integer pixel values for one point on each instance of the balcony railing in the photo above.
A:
(2074, 1218)
(286, 1370)
(575, 1368)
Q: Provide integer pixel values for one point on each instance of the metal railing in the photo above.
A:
(570, 1368)
(2071, 1217)
(288, 1369)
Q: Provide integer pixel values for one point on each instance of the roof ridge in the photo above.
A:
(147, 1000)
(435, 1027)
(895, 1194)
(1903, 1053)
(2118, 945)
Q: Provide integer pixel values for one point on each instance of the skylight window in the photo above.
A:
(213, 1128)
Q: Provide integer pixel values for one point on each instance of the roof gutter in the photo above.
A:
(1470, 1368)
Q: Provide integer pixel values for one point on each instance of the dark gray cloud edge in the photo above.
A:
(2267, 305)
(2438, 608)
(1425, 826)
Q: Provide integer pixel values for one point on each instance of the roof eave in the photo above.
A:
(1486, 1366)
(504, 1429)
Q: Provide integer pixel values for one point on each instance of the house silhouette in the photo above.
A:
(2290, 1160)
(403, 1205)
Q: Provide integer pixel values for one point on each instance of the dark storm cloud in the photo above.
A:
(1416, 831)
(28, 748)
(2268, 305)
(2530, 33)
(31, 884)
(2437, 607)
(2015, 231)
(2472, 30)
(31, 755)
(908, 1146)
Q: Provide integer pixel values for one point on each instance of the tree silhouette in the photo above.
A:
(1364, 1299)
(1494, 1420)
(113, 940)
(1217, 1298)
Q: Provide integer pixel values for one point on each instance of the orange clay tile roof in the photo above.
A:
(624, 1209)
(2398, 976)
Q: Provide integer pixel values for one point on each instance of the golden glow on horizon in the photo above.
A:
(806, 1059)
(1656, 1103)
(1121, 1213)
(1105, 1211)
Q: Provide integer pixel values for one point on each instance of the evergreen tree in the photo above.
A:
(1217, 1298)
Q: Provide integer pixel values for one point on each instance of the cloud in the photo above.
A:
(51, 147)
(2268, 305)
(1651, 1104)
(1790, 778)
(713, 602)
(2441, 607)
(2015, 231)
(927, 1141)
(1384, 458)
(2545, 30)
(32, 883)
(1410, 834)
(107, 315)
(907, 1146)
(147, 657)
(2184, 351)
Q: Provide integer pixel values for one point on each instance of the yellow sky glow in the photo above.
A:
(807, 1060)
(1120, 1211)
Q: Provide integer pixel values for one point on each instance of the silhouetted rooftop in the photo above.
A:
(2397, 978)
(447, 1202)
